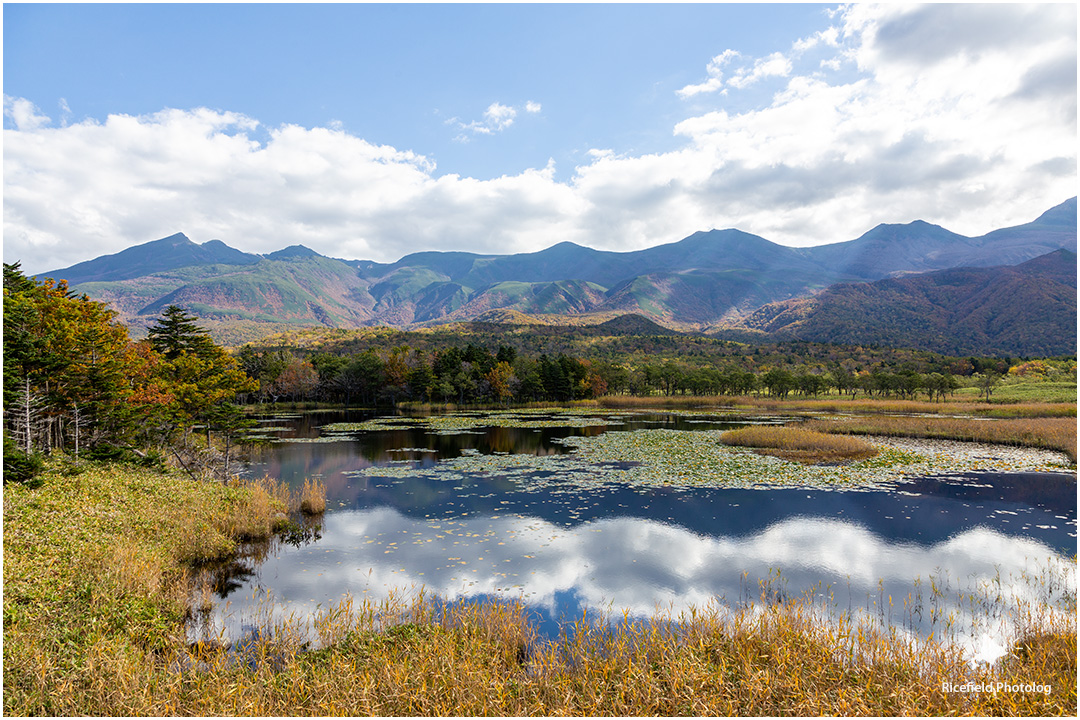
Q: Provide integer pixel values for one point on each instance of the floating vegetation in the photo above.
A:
(684, 459)
(466, 422)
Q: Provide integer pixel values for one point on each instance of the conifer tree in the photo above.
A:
(176, 332)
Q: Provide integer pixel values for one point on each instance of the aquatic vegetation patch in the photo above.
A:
(1056, 433)
(465, 422)
(799, 444)
(684, 459)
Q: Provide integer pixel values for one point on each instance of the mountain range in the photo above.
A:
(710, 281)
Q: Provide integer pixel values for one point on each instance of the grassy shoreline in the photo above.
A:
(841, 405)
(834, 403)
(1057, 433)
(97, 588)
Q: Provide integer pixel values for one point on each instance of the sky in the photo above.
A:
(372, 131)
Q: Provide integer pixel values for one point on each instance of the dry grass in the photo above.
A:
(799, 444)
(96, 564)
(312, 497)
(1050, 433)
(838, 404)
(485, 660)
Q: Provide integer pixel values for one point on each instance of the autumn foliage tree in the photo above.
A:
(74, 379)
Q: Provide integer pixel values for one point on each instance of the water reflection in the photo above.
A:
(633, 564)
(619, 548)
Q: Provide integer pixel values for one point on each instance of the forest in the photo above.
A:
(389, 371)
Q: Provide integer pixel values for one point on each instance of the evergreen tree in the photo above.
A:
(175, 332)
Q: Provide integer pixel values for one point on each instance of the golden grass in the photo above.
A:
(485, 660)
(799, 444)
(1050, 433)
(839, 404)
(312, 497)
(96, 593)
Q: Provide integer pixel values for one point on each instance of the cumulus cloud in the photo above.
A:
(961, 115)
(23, 114)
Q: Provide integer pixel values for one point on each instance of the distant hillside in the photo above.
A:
(709, 280)
(170, 253)
(1027, 309)
(922, 247)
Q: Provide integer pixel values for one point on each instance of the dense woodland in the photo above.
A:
(75, 380)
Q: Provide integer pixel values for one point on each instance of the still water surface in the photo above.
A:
(611, 546)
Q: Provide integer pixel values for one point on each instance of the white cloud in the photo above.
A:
(973, 128)
(715, 70)
(23, 114)
(496, 118)
(775, 65)
(499, 117)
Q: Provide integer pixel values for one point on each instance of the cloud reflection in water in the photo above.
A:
(636, 565)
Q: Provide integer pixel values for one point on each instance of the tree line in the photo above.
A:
(476, 375)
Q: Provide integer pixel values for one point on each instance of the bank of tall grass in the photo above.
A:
(800, 444)
(837, 403)
(97, 589)
(1049, 433)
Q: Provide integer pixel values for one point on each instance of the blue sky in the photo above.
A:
(370, 131)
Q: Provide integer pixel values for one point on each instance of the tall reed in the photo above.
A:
(1050, 433)
(312, 500)
(799, 444)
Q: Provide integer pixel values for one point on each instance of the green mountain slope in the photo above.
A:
(301, 290)
(1027, 309)
(170, 253)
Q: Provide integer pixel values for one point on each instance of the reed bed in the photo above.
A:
(799, 444)
(312, 500)
(1050, 433)
(97, 593)
(839, 404)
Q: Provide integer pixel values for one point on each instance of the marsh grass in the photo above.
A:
(97, 593)
(844, 405)
(1050, 433)
(799, 444)
(312, 497)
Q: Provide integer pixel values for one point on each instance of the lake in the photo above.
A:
(637, 511)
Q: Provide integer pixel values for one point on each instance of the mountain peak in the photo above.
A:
(293, 251)
(174, 240)
(1063, 214)
(162, 255)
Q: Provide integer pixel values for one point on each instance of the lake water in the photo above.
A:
(466, 511)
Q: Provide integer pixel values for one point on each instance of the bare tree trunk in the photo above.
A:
(26, 405)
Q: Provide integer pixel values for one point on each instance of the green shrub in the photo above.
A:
(19, 466)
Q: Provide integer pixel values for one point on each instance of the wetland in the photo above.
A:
(630, 512)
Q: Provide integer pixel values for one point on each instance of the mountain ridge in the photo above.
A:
(706, 281)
